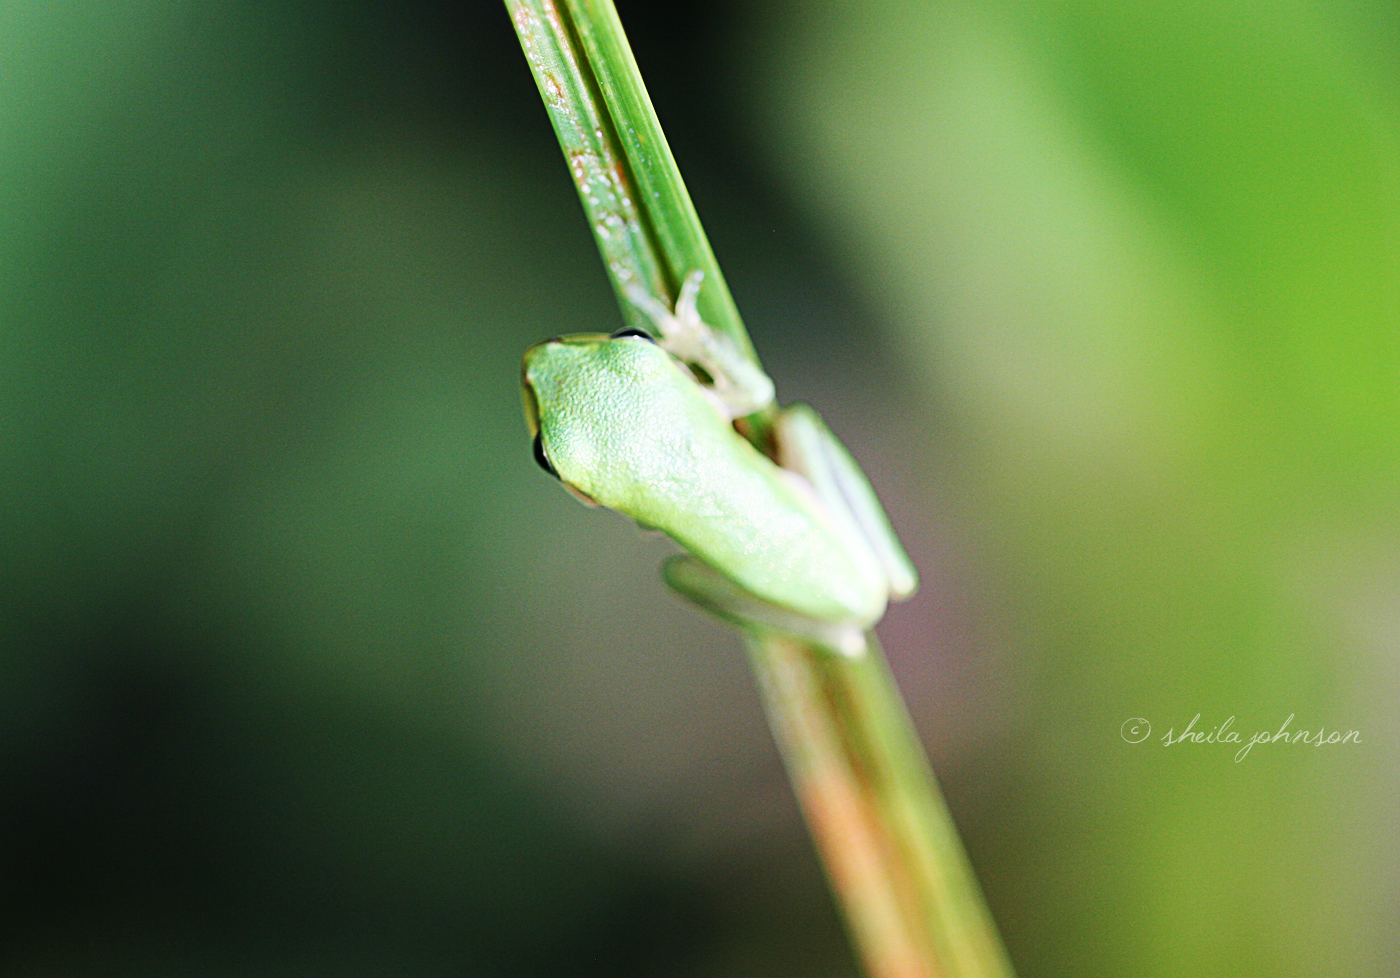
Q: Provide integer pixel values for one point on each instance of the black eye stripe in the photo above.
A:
(541, 459)
(633, 331)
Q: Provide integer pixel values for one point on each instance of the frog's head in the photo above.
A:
(591, 397)
(553, 362)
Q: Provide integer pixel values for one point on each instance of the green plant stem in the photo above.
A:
(642, 217)
(880, 824)
(596, 162)
(890, 848)
(680, 235)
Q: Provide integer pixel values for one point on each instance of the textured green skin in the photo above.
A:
(624, 424)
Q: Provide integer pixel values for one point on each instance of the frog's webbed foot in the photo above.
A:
(741, 387)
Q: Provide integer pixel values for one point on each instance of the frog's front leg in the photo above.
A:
(740, 386)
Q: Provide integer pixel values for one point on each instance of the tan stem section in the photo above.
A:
(880, 824)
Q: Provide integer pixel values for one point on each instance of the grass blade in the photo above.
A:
(641, 214)
(591, 149)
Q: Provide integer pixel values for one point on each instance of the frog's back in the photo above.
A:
(622, 427)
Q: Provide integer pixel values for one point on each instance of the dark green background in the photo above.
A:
(307, 670)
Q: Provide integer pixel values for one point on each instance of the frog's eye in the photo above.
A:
(541, 458)
(633, 331)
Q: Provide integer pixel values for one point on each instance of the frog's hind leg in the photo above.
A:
(719, 595)
(807, 446)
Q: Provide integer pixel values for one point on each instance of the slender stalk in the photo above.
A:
(642, 217)
(679, 233)
(596, 160)
(889, 845)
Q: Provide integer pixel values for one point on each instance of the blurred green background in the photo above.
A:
(307, 670)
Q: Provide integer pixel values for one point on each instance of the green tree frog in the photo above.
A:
(645, 427)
